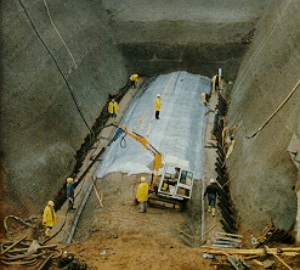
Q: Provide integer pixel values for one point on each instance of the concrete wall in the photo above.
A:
(262, 175)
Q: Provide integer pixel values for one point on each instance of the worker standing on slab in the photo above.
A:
(216, 82)
(157, 106)
(205, 98)
(142, 194)
(133, 79)
(211, 192)
(113, 109)
(70, 193)
(49, 217)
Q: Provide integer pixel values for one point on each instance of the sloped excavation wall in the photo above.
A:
(52, 93)
(260, 163)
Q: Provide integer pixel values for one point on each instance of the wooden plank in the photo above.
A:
(229, 234)
(281, 260)
(229, 239)
(258, 251)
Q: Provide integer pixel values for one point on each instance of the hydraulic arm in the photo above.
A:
(144, 142)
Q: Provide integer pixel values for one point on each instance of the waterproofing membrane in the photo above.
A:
(179, 131)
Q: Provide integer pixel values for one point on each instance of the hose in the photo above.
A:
(59, 69)
(16, 253)
(71, 55)
(9, 233)
(123, 142)
(274, 113)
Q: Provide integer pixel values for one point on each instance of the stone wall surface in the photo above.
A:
(260, 163)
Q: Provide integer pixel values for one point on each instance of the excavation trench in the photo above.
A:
(118, 191)
(45, 137)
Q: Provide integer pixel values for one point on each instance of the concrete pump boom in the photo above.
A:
(144, 142)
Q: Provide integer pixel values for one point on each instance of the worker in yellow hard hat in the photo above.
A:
(70, 193)
(157, 106)
(205, 98)
(133, 79)
(49, 217)
(142, 194)
(113, 109)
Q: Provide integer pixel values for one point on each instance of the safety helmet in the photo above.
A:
(212, 181)
(50, 203)
(158, 95)
(143, 179)
(69, 180)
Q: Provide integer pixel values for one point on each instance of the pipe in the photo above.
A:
(203, 186)
(83, 202)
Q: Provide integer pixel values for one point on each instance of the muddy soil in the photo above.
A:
(126, 238)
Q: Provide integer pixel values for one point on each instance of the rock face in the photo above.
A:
(58, 68)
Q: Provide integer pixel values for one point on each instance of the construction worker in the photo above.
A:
(228, 142)
(49, 217)
(211, 191)
(216, 120)
(113, 109)
(216, 82)
(205, 98)
(133, 79)
(70, 193)
(142, 194)
(157, 106)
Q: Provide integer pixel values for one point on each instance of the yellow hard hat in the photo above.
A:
(212, 181)
(70, 180)
(51, 203)
(143, 179)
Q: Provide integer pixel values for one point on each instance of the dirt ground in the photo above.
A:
(117, 236)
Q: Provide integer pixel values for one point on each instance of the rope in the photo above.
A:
(58, 67)
(274, 113)
(64, 43)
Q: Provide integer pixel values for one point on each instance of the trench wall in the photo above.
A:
(51, 97)
(263, 177)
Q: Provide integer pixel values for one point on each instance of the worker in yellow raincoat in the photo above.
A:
(133, 79)
(205, 98)
(157, 106)
(113, 109)
(49, 217)
(142, 194)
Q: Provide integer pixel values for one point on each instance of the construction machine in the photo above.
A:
(171, 186)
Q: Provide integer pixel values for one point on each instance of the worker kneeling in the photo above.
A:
(142, 194)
